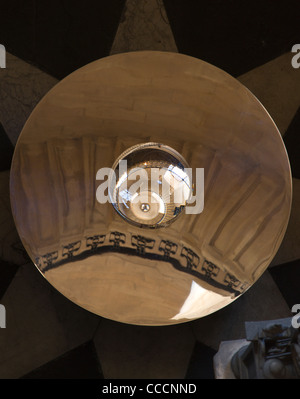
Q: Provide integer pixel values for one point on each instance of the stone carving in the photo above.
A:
(273, 352)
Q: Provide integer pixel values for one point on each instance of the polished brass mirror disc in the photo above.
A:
(127, 270)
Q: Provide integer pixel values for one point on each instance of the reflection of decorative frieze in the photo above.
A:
(192, 259)
(117, 238)
(94, 241)
(49, 258)
(231, 281)
(68, 250)
(210, 269)
(168, 248)
(186, 260)
(142, 243)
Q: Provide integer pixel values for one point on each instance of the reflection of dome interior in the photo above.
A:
(153, 157)
(164, 171)
(152, 154)
(163, 167)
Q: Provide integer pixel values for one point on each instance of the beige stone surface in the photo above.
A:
(277, 85)
(144, 26)
(21, 87)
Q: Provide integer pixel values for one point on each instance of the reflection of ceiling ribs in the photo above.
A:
(93, 151)
(260, 230)
(226, 231)
(230, 229)
(247, 187)
(185, 259)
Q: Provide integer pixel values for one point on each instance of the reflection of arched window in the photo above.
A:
(2, 56)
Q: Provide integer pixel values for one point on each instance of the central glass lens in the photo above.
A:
(150, 185)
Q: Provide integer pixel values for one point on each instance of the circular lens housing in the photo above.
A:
(150, 185)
